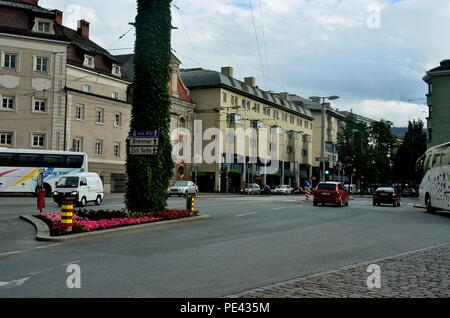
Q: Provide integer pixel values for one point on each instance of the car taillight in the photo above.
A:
(394, 194)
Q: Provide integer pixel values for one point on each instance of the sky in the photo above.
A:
(371, 53)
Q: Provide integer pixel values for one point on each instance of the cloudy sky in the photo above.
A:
(372, 53)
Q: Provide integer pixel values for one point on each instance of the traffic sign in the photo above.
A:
(144, 134)
(152, 142)
(143, 151)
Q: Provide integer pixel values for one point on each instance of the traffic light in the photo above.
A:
(327, 172)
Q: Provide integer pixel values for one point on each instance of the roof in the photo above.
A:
(127, 61)
(445, 66)
(201, 78)
(358, 117)
(22, 5)
(313, 106)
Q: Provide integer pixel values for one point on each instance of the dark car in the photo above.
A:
(266, 190)
(386, 196)
(409, 192)
(332, 193)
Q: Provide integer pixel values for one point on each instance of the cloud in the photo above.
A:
(395, 111)
(308, 47)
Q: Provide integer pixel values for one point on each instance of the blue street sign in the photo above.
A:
(144, 134)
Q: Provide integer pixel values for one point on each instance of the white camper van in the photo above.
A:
(81, 188)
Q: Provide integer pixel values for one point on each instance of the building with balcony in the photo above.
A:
(273, 128)
(438, 101)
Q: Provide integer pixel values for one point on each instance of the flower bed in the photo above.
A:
(90, 220)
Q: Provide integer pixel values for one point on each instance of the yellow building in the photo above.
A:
(223, 102)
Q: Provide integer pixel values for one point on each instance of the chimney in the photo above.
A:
(83, 29)
(58, 17)
(32, 2)
(227, 70)
(250, 81)
(285, 95)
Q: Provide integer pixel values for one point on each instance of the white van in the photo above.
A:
(81, 187)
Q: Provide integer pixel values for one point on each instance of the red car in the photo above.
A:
(331, 193)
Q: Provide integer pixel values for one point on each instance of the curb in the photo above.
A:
(43, 232)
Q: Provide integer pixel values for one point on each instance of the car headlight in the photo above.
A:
(55, 193)
(74, 193)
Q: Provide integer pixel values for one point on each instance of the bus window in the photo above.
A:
(8, 159)
(427, 165)
(29, 160)
(74, 161)
(54, 161)
(446, 157)
(437, 160)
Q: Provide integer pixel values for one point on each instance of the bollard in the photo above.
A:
(307, 195)
(190, 203)
(67, 215)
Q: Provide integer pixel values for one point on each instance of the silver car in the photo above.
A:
(251, 188)
(283, 189)
(183, 188)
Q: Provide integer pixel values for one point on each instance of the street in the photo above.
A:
(249, 242)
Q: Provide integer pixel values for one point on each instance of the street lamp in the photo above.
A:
(319, 99)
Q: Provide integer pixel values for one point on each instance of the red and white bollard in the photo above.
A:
(307, 195)
(67, 215)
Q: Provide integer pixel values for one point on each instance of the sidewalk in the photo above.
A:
(420, 274)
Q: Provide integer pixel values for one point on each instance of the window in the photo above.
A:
(292, 119)
(100, 116)
(38, 140)
(89, 61)
(87, 88)
(224, 97)
(10, 61)
(244, 104)
(115, 95)
(267, 111)
(79, 112)
(116, 150)
(77, 144)
(40, 105)
(42, 64)
(99, 147)
(290, 150)
(248, 105)
(305, 153)
(8, 103)
(116, 70)
(6, 138)
(44, 27)
(118, 120)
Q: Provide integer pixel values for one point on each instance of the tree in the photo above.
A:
(414, 146)
(149, 177)
(382, 141)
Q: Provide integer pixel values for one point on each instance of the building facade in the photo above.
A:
(438, 101)
(332, 124)
(181, 113)
(60, 90)
(226, 106)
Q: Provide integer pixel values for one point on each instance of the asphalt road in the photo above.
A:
(248, 242)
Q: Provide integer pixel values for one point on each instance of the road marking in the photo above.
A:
(29, 249)
(14, 283)
(276, 209)
(245, 214)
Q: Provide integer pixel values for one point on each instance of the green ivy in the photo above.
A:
(149, 177)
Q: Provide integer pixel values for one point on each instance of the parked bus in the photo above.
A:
(20, 169)
(434, 190)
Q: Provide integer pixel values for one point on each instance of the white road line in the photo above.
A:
(245, 214)
(276, 209)
(14, 283)
(29, 249)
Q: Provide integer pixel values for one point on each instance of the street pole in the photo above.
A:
(322, 154)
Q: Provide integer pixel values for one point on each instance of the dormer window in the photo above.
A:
(43, 26)
(89, 61)
(116, 70)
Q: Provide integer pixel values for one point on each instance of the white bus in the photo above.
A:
(20, 169)
(434, 190)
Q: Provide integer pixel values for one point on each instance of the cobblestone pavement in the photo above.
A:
(420, 274)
